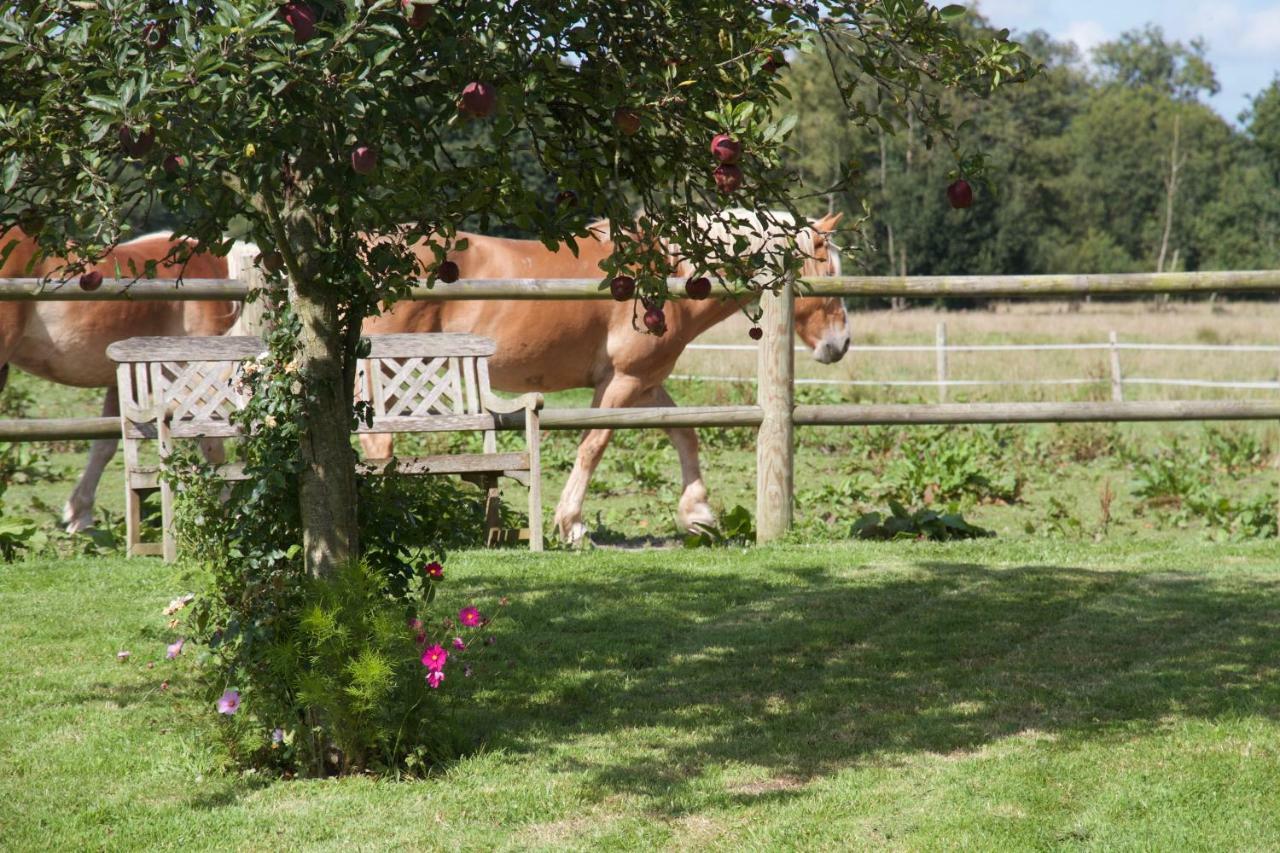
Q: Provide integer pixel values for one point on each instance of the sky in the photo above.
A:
(1243, 35)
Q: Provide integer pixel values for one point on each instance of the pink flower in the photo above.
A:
(470, 617)
(459, 644)
(175, 649)
(229, 702)
(434, 658)
(415, 625)
(434, 570)
(434, 678)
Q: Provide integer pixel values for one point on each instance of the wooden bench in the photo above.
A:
(175, 388)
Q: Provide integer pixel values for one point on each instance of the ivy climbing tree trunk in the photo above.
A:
(327, 484)
(327, 490)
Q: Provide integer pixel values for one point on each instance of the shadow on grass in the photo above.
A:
(803, 673)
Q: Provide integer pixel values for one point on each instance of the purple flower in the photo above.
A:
(175, 649)
(459, 644)
(470, 617)
(277, 736)
(434, 658)
(229, 702)
(434, 678)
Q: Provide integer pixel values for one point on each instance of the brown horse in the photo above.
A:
(551, 346)
(66, 342)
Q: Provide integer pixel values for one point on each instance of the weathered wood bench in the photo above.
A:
(175, 388)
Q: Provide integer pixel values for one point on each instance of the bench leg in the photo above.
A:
(132, 519)
(492, 511)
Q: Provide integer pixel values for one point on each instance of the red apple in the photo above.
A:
(698, 288)
(725, 148)
(302, 18)
(136, 146)
(172, 163)
(566, 198)
(756, 333)
(627, 121)
(419, 14)
(655, 321)
(728, 178)
(155, 35)
(91, 280)
(775, 61)
(272, 262)
(623, 287)
(363, 159)
(31, 221)
(960, 194)
(448, 272)
(478, 99)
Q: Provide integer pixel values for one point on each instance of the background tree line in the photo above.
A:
(1115, 167)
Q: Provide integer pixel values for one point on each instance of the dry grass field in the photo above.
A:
(1036, 323)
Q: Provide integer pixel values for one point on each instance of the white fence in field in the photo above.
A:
(941, 351)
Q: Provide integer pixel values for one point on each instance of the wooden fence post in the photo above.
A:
(1117, 379)
(253, 315)
(941, 343)
(775, 447)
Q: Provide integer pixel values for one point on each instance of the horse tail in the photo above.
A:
(4, 375)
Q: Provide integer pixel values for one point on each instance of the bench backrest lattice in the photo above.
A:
(188, 388)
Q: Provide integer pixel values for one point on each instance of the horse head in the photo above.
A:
(821, 321)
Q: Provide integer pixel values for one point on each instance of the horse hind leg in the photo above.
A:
(77, 515)
(693, 511)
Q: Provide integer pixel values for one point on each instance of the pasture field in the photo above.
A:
(915, 696)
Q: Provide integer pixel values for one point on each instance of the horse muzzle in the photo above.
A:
(832, 348)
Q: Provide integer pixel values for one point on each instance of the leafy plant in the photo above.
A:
(920, 523)
(736, 528)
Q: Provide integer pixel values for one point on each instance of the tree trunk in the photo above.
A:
(327, 490)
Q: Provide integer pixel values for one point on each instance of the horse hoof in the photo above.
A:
(699, 518)
(79, 524)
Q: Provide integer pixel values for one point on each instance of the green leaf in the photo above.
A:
(953, 12)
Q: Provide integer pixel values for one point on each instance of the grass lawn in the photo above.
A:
(990, 694)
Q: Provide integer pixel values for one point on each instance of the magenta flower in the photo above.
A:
(229, 702)
(434, 570)
(175, 649)
(434, 678)
(459, 644)
(434, 658)
(470, 617)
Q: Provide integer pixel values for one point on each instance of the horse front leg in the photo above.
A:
(693, 511)
(77, 515)
(618, 392)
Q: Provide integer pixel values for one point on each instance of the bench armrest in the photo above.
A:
(524, 402)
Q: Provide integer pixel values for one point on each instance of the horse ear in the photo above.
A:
(828, 223)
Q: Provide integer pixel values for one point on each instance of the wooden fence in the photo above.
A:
(775, 414)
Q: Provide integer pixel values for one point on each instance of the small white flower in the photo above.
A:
(270, 421)
(295, 388)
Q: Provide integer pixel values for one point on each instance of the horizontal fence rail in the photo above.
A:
(887, 414)
(918, 287)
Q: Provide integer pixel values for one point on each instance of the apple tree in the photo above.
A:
(331, 133)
